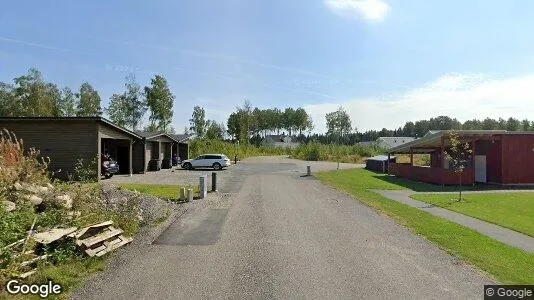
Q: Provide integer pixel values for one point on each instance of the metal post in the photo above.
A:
(189, 195)
(389, 159)
(473, 150)
(235, 160)
(131, 157)
(308, 171)
(213, 182)
(182, 194)
(203, 186)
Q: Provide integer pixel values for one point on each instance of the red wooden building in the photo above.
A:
(499, 157)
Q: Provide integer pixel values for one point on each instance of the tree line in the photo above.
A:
(420, 128)
(247, 123)
(31, 96)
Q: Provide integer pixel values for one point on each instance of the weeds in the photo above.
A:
(315, 151)
(85, 172)
(23, 173)
(198, 146)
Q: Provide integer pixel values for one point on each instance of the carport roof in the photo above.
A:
(432, 139)
(96, 119)
(175, 137)
(181, 137)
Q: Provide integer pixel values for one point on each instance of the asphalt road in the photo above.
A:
(271, 233)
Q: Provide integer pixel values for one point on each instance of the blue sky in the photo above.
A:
(385, 61)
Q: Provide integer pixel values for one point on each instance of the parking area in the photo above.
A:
(175, 175)
(179, 176)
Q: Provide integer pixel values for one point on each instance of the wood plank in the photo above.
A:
(27, 274)
(94, 251)
(29, 262)
(122, 241)
(106, 235)
(82, 231)
(52, 235)
(14, 244)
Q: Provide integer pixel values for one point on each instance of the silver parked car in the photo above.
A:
(215, 161)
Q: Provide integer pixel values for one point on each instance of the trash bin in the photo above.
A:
(154, 165)
(166, 163)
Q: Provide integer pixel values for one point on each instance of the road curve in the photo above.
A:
(271, 233)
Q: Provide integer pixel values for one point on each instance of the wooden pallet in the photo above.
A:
(99, 239)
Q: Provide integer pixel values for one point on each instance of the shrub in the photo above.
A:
(201, 146)
(85, 171)
(15, 165)
(314, 151)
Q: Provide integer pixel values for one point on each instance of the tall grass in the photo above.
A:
(202, 146)
(315, 151)
(16, 165)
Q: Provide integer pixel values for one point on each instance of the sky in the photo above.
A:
(385, 61)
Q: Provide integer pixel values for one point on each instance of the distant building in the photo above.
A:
(394, 141)
(388, 142)
(282, 141)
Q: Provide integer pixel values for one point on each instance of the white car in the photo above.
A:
(215, 161)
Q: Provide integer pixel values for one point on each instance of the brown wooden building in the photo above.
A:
(499, 157)
(65, 140)
(160, 148)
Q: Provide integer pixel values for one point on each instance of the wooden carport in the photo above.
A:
(436, 144)
(65, 140)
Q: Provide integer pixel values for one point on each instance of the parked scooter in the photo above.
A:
(109, 167)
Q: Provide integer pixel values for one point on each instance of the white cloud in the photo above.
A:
(370, 10)
(461, 96)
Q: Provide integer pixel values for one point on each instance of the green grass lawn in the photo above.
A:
(510, 210)
(399, 183)
(164, 191)
(505, 263)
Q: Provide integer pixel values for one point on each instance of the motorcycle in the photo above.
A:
(109, 167)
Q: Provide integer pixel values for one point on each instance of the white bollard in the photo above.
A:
(308, 171)
(182, 194)
(189, 195)
(203, 185)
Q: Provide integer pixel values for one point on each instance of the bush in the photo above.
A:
(17, 166)
(202, 146)
(85, 171)
(314, 151)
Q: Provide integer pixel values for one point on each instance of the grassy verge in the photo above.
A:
(510, 210)
(505, 263)
(163, 191)
(385, 182)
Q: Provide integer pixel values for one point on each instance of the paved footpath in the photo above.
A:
(272, 234)
(504, 235)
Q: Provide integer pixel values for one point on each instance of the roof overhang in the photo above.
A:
(75, 119)
(182, 138)
(432, 141)
(169, 136)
